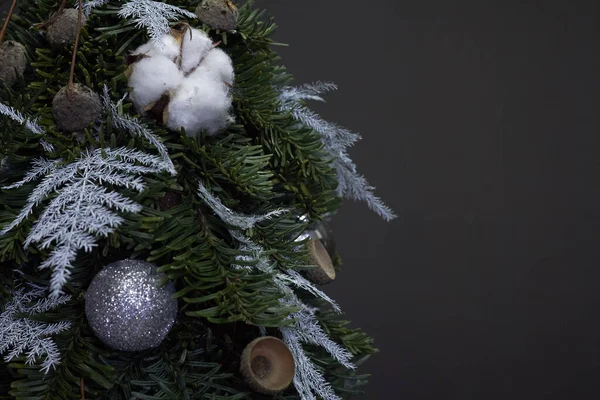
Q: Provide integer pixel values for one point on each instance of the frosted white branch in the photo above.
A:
(336, 141)
(46, 146)
(20, 335)
(153, 15)
(81, 210)
(309, 91)
(16, 116)
(231, 217)
(254, 254)
(137, 128)
(308, 380)
(89, 5)
(290, 277)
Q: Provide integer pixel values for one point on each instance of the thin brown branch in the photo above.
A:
(8, 17)
(79, 18)
(82, 388)
(53, 19)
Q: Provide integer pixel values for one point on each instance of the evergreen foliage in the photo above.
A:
(264, 163)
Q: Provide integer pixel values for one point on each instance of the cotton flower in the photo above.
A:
(151, 78)
(196, 45)
(199, 104)
(196, 78)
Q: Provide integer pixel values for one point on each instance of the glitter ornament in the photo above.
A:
(268, 365)
(75, 108)
(13, 61)
(63, 30)
(220, 14)
(127, 308)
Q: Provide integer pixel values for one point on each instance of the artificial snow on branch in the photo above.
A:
(16, 116)
(231, 217)
(19, 334)
(81, 209)
(89, 5)
(336, 141)
(153, 15)
(308, 380)
(136, 128)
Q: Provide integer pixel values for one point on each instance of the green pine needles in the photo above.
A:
(219, 215)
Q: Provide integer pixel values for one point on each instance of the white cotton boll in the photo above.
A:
(196, 44)
(199, 104)
(151, 78)
(217, 65)
(167, 46)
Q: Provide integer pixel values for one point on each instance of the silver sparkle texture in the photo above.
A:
(127, 308)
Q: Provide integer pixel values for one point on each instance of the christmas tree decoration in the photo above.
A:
(220, 14)
(63, 28)
(217, 212)
(324, 272)
(75, 107)
(267, 365)
(13, 61)
(184, 81)
(127, 307)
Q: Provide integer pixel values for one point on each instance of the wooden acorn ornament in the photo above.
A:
(268, 365)
(324, 271)
(220, 14)
(75, 107)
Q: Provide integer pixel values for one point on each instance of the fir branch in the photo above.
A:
(24, 335)
(153, 15)
(80, 212)
(336, 141)
(136, 128)
(253, 254)
(16, 116)
(231, 217)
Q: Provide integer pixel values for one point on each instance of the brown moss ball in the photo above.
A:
(220, 14)
(13, 61)
(74, 109)
(63, 31)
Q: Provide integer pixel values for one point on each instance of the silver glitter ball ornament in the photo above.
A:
(127, 308)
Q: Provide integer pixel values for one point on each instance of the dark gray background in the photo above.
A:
(480, 125)
(480, 129)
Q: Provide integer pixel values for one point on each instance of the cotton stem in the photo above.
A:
(8, 17)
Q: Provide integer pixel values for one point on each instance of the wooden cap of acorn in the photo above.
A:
(324, 271)
(268, 365)
(220, 14)
(13, 56)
